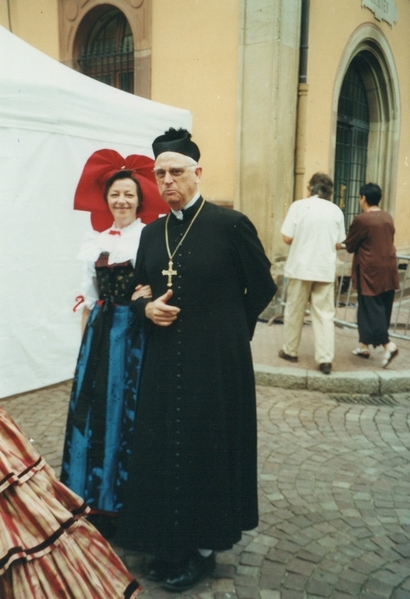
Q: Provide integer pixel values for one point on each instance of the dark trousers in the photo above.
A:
(373, 318)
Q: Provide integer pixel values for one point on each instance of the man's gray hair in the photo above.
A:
(321, 185)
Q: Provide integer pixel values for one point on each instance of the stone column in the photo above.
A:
(267, 102)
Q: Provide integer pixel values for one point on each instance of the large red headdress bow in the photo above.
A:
(99, 167)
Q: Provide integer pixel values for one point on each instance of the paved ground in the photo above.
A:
(334, 497)
(350, 373)
(268, 340)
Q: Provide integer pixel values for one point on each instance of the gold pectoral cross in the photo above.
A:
(169, 273)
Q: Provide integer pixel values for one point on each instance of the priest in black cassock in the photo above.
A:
(193, 481)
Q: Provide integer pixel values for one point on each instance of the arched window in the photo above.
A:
(351, 142)
(107, 54)
(366, 115)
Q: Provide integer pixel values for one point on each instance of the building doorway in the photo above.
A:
(352, 140)
(367, 122)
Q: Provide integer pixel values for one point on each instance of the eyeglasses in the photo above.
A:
(175, 171)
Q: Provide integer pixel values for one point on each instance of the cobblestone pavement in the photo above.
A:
(334, 497)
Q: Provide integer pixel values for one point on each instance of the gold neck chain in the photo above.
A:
(170, 272)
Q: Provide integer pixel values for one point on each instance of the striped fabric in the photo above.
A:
(48, 550)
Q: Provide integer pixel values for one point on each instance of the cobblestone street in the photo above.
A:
(334, 496)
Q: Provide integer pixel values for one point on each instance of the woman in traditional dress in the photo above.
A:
(101, 412)
(47, 548)
(374, 273)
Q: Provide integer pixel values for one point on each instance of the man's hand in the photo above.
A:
(159, 312)
(141, 291)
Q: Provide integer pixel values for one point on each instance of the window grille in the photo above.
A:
(351, 143)
(108, 54)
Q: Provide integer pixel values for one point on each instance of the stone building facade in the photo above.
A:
(278, 89)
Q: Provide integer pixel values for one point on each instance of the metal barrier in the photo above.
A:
(346, 297)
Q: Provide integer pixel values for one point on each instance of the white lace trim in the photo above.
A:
(120, 248)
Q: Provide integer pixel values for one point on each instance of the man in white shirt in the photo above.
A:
(314, 230)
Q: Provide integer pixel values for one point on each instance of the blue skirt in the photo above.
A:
(102, 407)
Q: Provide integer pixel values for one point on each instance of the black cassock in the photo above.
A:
(193, 480)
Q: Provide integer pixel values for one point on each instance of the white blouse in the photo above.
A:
(121, 245)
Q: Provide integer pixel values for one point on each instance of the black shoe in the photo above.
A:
(158, 570)
(190, 573)
(325, 367)
(287, 357)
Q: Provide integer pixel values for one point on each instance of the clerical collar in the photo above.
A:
(179, 214)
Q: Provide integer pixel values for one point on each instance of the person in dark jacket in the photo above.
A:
(193, 483)
(374, 273)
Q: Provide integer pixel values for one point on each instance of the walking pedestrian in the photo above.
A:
(314, 230)
(374, 273)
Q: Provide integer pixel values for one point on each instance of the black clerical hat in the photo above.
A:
(176, 141)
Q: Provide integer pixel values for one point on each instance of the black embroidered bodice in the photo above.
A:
(114, 281)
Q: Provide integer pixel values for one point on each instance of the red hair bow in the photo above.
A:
(99, 167)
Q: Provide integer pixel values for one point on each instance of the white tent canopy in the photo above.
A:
(51, 120)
